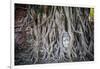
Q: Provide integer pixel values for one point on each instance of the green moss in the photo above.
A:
(91, 12)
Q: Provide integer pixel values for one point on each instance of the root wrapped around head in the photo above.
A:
(54, 34)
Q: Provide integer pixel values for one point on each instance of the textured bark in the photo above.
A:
(39, 32)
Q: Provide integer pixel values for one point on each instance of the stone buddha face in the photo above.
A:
(65, 39)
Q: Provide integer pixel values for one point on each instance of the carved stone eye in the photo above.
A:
(65, 39)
